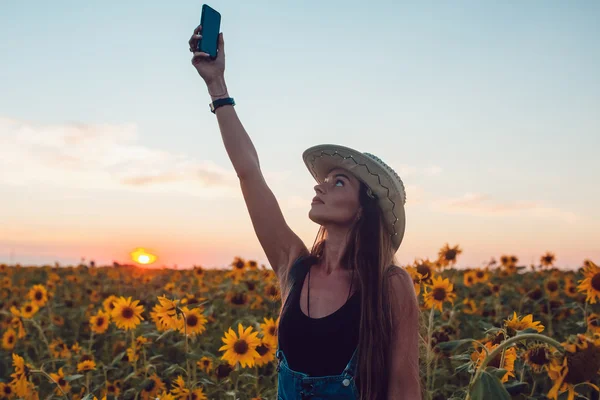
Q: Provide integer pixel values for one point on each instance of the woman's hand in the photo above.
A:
(212, 71)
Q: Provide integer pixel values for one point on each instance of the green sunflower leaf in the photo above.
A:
(498, 372)
(516, 387)
(486, 387)
(73, 377)
(452, 344)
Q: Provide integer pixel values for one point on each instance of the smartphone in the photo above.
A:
(211, 25)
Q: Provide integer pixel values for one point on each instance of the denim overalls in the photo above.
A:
(294, 385)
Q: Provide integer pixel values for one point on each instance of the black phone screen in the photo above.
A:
(211, 24)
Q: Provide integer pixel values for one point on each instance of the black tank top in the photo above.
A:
(317, 346)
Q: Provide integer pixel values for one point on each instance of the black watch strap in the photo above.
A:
(221, 102)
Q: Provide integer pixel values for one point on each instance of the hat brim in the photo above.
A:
(321, 159)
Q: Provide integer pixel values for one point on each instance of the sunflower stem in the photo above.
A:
(585, 318)
(91, 341)
(506, 343)
(428, 357)
(39, 328)
(133, 347)
(550, 330)
(87, 381)
(39, 371)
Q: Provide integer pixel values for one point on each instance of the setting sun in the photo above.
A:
(141, 256)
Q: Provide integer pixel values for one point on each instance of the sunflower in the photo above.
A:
(58, 320)
(197, 394)
(127, 313)
(440, 292)
(547, 260)
(518, 324)
(99, 322)
(194, 322)
(593, 323)
(198, 271)
(425, 268)
(571, 288)
(153, 386)
(59, 378)
(85, 366)
(38, 295)
(269, 330)
(552, 287)
(266, 352)
(205, 364)
(538, 357)
(112, 389)
(20, 381)
(164, 314)
(240, 348)
(470, 307)
(416, 278)
(59, 349)
(510, 355)
(238, 299)
(6, 391)
(109, 303)
(9, 339)
(179, 390)
(223, 370)
(448, 255)
(76, 348)
(591, 283)
(238, 269)
(481, 275)
(469, 278)
(579, 366)
(29, 310)
(508, 261)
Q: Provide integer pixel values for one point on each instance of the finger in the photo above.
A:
(193, 42)
(221, 42)
(200, 56)
(198, 29)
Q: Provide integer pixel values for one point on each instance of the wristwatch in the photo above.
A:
(221, 102)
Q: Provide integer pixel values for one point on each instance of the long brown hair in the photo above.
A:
(370, 252)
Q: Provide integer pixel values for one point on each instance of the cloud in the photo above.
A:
(482, 205)
(408, 170)
(101, 156)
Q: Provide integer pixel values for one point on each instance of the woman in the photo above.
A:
(349, 321)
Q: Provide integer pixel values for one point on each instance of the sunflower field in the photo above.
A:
(499, 331)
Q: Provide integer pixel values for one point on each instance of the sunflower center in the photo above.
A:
(238, 299)
(7, 390)
(450, 255)
(239, 264)
(479, 274)
(28, 309)
(596, 282)
(194, 396)
(552, 286)
(100, 321)
(127, 312)
(272, 291)
(192, 320)
(111, 388)
(439, 294)
(85, 357)
(11, 339)
(150, 385)
(273, 330)
(251, 286)
(240, 347)
(38, 295)
(62, 382)
(496, 361)
(536, 294)
(223, 370)
(262, 349)
(424, 270)
(583, 365)
(206, 363)
(538, 355)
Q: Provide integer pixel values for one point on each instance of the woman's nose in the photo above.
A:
(318, 189)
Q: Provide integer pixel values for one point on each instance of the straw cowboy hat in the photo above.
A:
(383, 182)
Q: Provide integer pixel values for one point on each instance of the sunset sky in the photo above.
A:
(489, 111)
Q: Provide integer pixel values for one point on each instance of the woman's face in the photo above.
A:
(339, 199)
